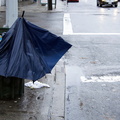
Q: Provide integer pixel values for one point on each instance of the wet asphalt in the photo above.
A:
(80, 87)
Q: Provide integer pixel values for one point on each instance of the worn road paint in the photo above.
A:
(100, 79)
(67, 26)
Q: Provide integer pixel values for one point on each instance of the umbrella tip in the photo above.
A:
(23, 14)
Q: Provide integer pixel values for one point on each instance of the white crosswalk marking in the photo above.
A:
(93, 34)
(100, 79)
(67, 28)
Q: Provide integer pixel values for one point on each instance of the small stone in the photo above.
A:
(103, 85)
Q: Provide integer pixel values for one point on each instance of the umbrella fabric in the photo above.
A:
(28, 51)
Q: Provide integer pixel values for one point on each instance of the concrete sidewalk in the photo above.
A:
(30, 7)
(38, 7)
(43, 103)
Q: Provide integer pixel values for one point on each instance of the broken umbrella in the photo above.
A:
(29, 52)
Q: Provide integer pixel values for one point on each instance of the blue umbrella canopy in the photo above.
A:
(29, 52)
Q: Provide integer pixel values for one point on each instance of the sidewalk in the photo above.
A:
(37, 7)
(33, 8)
(43, 103)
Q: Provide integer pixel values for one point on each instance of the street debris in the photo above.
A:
(36, 84)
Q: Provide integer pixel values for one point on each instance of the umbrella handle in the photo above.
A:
(23, 14)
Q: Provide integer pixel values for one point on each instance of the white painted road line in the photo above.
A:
(91, 34)
(100, 79)
(67, 28)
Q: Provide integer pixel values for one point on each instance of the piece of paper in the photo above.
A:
(36, 84)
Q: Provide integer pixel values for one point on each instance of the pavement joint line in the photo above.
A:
(95, 12)
(65, 33)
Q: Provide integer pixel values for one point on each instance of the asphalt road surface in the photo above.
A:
(93, 63)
